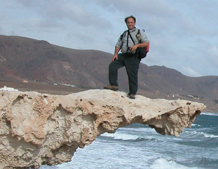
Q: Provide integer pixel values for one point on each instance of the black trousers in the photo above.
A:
(131, 63)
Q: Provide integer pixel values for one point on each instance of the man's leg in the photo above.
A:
(113, 69)
(132, 66)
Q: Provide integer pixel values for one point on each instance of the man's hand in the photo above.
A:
(142, 45)
(115, 57)
(133, 48)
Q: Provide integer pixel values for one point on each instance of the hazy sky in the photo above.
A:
(183, 33)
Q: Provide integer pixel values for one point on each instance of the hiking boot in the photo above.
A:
(111, 87)
(131, 96)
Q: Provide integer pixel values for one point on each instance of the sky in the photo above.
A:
(183, 34)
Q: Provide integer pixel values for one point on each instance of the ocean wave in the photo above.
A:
(127, 137)
(209, 114)
(209, 135)
(144, 130)
(198, 125)
(206, 135)
(162, 163)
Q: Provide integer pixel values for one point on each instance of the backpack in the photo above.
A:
(140, 52)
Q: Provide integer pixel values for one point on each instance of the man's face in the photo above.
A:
(130, 23)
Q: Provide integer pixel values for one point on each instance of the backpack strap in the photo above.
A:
(138, 35)
(121, 36)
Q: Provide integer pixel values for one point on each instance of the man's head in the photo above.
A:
(130, 22)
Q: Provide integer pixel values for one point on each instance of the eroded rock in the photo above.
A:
(37, 129)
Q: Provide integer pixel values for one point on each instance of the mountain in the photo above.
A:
(34, 60)
(38, 60)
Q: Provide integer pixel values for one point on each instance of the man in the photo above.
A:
(127, 57)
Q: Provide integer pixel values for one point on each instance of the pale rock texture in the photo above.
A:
(37, 129)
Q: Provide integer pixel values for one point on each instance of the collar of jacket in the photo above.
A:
(132, 30)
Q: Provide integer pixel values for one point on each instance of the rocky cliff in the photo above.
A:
(38, 129)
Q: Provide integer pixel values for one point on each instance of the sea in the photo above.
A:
(139, 147)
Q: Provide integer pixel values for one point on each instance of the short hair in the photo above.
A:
(130, 17)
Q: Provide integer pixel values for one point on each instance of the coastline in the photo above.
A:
(58, 89)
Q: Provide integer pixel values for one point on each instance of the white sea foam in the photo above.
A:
(162, 163)
(195, 125)
(209, 114)
(201, 134)
(121, 136)
(209, 135)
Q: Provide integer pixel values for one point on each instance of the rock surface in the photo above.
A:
(37, 129)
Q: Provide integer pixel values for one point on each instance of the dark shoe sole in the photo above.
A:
(131, 96)
(110, 89)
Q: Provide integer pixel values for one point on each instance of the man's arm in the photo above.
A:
(138, 45)
(117, 49)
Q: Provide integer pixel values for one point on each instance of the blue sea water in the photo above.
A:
(140, 147)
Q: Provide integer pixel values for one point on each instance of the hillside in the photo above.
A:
(25, 59)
